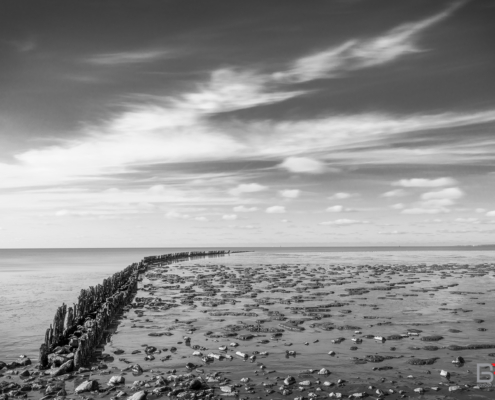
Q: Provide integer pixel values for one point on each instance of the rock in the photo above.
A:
(227, 389)
(65, 368)
(87, 386)
(323, 371)
(419, 390)
(305, 383)
(141, 395)
(13, 364)
(454, 388)
(116, 380)
(445, 374)
(420, 361)
(136, 368)
(290, 380)
(25, 361)
(195, 384)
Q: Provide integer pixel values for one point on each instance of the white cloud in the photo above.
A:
(395, 193)
(395, 232)
(303, 165)
(437, 203)
(229, 217)
(490, 213)
(362, 53)
(176, 215)
(453, 193)
(247, 188)
(128, 57)
(245, 209)
(342, 196)
(284, 221)
(290, 193)
(275, 210)
(344, 221)
(398, 206)
(480, 210)
(468, 220)
(202, 219)
(157, 189)
(335, 209)
(419, 210)
(163, 133)
(421, 182)
(249, 227)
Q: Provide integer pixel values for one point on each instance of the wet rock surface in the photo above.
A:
(227, 327)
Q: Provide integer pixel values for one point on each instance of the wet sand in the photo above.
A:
(252, 326)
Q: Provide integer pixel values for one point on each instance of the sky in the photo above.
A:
(155, 123)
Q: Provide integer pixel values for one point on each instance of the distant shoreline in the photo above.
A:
(481, 247)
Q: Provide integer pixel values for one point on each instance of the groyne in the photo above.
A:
(71, 340)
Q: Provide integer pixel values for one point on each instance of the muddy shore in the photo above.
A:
(218, 327)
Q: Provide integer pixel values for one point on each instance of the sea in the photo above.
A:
(34, 282)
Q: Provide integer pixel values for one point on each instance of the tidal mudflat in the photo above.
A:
(221, 327)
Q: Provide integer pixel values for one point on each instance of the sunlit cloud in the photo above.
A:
(448, 193)
(344, 221)
(338, 209)
(363, 53)
(424, 183)
(395, 193)
(176, 215)
(303, 165)
(244, 209)
(127, 57)
(229, 217)
(470, 220)
(419, 210)
(247, 188)
(342, 196)
(275, 210)
(290, 193)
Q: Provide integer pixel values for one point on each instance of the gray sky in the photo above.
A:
(221, 122)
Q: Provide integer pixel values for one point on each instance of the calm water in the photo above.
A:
(33, 283)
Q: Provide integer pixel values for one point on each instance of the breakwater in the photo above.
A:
(71, 340)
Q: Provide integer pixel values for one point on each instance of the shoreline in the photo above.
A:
(155, 319)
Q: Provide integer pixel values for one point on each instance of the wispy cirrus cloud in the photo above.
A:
(363, 53)
(127, 57)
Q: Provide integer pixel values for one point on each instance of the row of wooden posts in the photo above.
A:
(83, 325)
